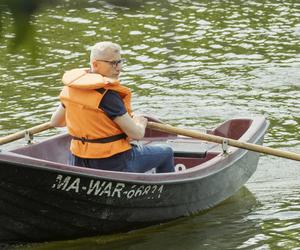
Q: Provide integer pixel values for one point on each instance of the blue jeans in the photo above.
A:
(139, 159)
(146, 157)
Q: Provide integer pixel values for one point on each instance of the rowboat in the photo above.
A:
(42, 198)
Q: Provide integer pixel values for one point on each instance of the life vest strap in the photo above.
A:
(101, 140)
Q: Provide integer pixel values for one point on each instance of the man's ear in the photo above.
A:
(95, 64)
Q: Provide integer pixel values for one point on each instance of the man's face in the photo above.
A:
(109, 66)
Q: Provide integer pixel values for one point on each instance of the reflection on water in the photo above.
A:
(278, 190)
(192, 64)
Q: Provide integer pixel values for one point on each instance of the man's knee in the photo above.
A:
(168, 151)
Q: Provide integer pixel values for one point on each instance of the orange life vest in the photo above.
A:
(94, 134)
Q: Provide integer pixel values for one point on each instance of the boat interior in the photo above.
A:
(188, 152)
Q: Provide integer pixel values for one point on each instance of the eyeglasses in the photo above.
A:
(114, 63)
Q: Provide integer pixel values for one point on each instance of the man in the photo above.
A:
(96, 109)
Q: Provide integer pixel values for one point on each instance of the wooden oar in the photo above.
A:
(174, 130)
(219, 139)
(21, 134)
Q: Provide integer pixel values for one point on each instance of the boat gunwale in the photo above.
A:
(254, 133)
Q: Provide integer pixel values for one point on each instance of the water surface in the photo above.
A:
(193, 64)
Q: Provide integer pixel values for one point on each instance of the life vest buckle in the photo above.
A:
(83, 140)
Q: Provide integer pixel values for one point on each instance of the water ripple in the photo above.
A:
(193, 65)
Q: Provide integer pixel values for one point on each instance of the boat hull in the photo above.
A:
(42, 203)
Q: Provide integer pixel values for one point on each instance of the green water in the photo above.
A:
(193, 64)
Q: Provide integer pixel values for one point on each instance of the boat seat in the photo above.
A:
(185, 148)
(190, 154)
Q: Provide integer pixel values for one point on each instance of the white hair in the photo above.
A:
(103, 51)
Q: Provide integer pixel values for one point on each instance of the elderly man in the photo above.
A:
(96, 109)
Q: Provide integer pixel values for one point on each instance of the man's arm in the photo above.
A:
(113, 106)
(134, 128)
(58, 117)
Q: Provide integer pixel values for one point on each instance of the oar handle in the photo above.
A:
(21, 134)
(220, 140)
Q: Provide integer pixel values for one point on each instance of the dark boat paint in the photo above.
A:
(42, 199)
